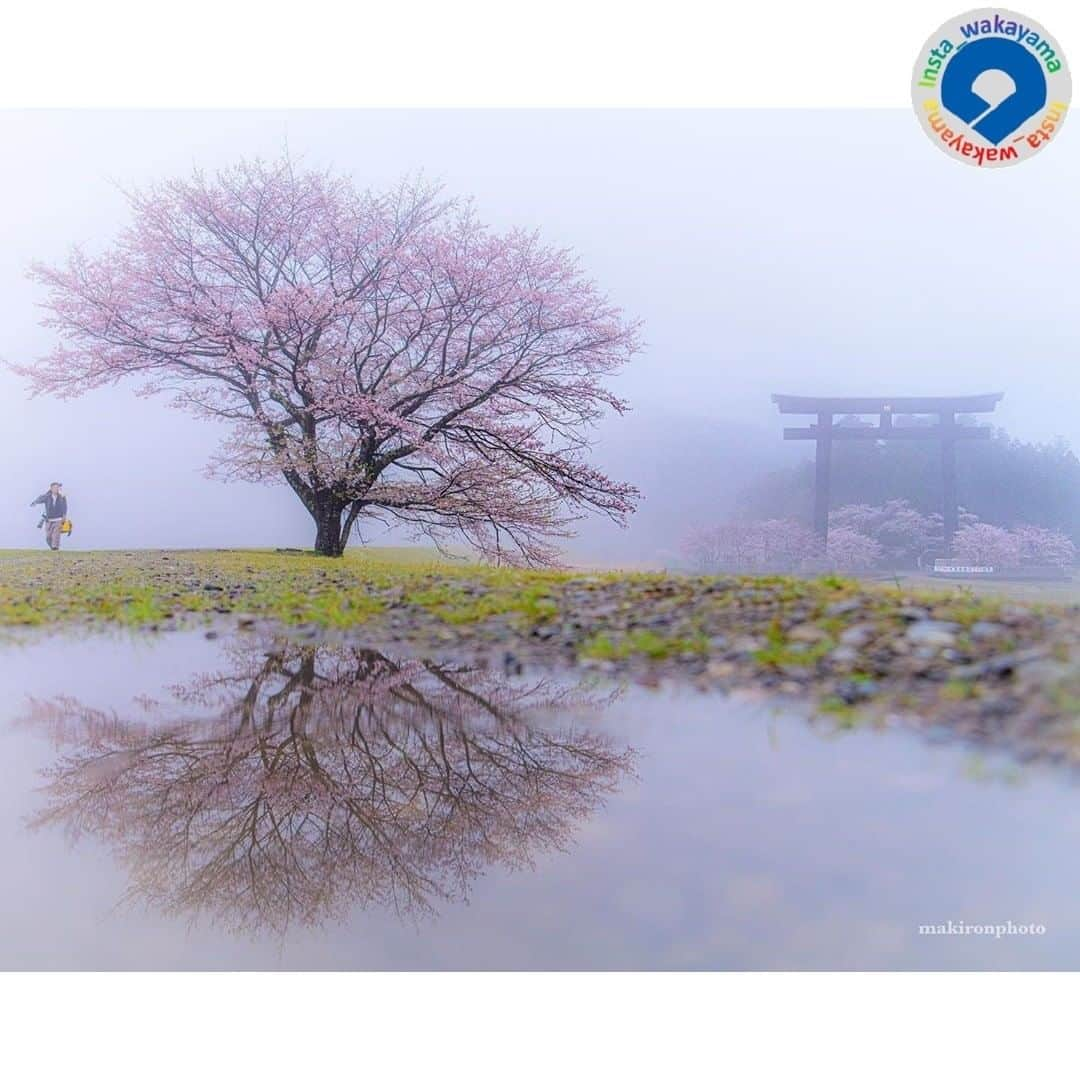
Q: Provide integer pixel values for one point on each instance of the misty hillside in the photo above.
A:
(690, 470)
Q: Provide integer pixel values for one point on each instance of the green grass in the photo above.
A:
(149, 587)
(641, 643)
(780, 656)
(522, 596)
(154, 588)
(959, 690)
(845, 717)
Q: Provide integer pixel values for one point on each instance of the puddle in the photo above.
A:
(244, 802)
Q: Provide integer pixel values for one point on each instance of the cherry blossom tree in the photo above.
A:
(986, 545)
(902, 532)
(776, 545)
(387, 356)
(1045, 546)
(849, 550)
(990, 545)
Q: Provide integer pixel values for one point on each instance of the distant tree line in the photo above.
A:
(863, 538)
(1002, 481)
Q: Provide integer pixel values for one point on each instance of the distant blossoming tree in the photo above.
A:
(901, 531)
(986, 545)
(777, 545)
(1045, 546)
(751, 546)
(386, 355)
(990, 545)
(849, 550)
(862, 537)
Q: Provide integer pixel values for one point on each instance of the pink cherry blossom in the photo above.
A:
(777, 545)
(1045, 546)
(986, 545)
(851, 551)
(902, 532)
(386, 355)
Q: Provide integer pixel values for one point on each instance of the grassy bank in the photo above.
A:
(984, 665)
(152, 588)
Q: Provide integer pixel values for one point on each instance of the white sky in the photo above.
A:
(800, 251)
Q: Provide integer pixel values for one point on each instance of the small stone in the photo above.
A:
(843, 607)
(807, 633)
(1011, 615)
(720, 669)
(1000, 667)
(932, 634)
(1042, 674)
(986, 631)
(844, 655)
(745, 645)
(999, 708)
(857, 635)
(921, 663)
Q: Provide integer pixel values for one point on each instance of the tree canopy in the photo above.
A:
(386, 355)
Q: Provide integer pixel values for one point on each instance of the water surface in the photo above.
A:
(240, 802)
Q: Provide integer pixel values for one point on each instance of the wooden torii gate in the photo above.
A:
(947, 431)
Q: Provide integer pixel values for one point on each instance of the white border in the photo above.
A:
(210, 53)
(551, 1026)
(213, 53)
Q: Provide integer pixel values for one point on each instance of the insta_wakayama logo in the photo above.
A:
(991, 87)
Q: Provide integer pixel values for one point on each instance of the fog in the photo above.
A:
(795, 251)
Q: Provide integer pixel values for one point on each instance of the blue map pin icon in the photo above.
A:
(993, 54)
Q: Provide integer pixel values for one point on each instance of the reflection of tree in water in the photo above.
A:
(328, 777)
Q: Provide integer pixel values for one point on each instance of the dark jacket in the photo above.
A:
(55, 505)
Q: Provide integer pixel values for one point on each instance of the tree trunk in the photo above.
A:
(329, 535)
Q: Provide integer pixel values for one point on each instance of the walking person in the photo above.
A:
(55, 507)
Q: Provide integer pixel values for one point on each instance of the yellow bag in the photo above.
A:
(65, 528)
